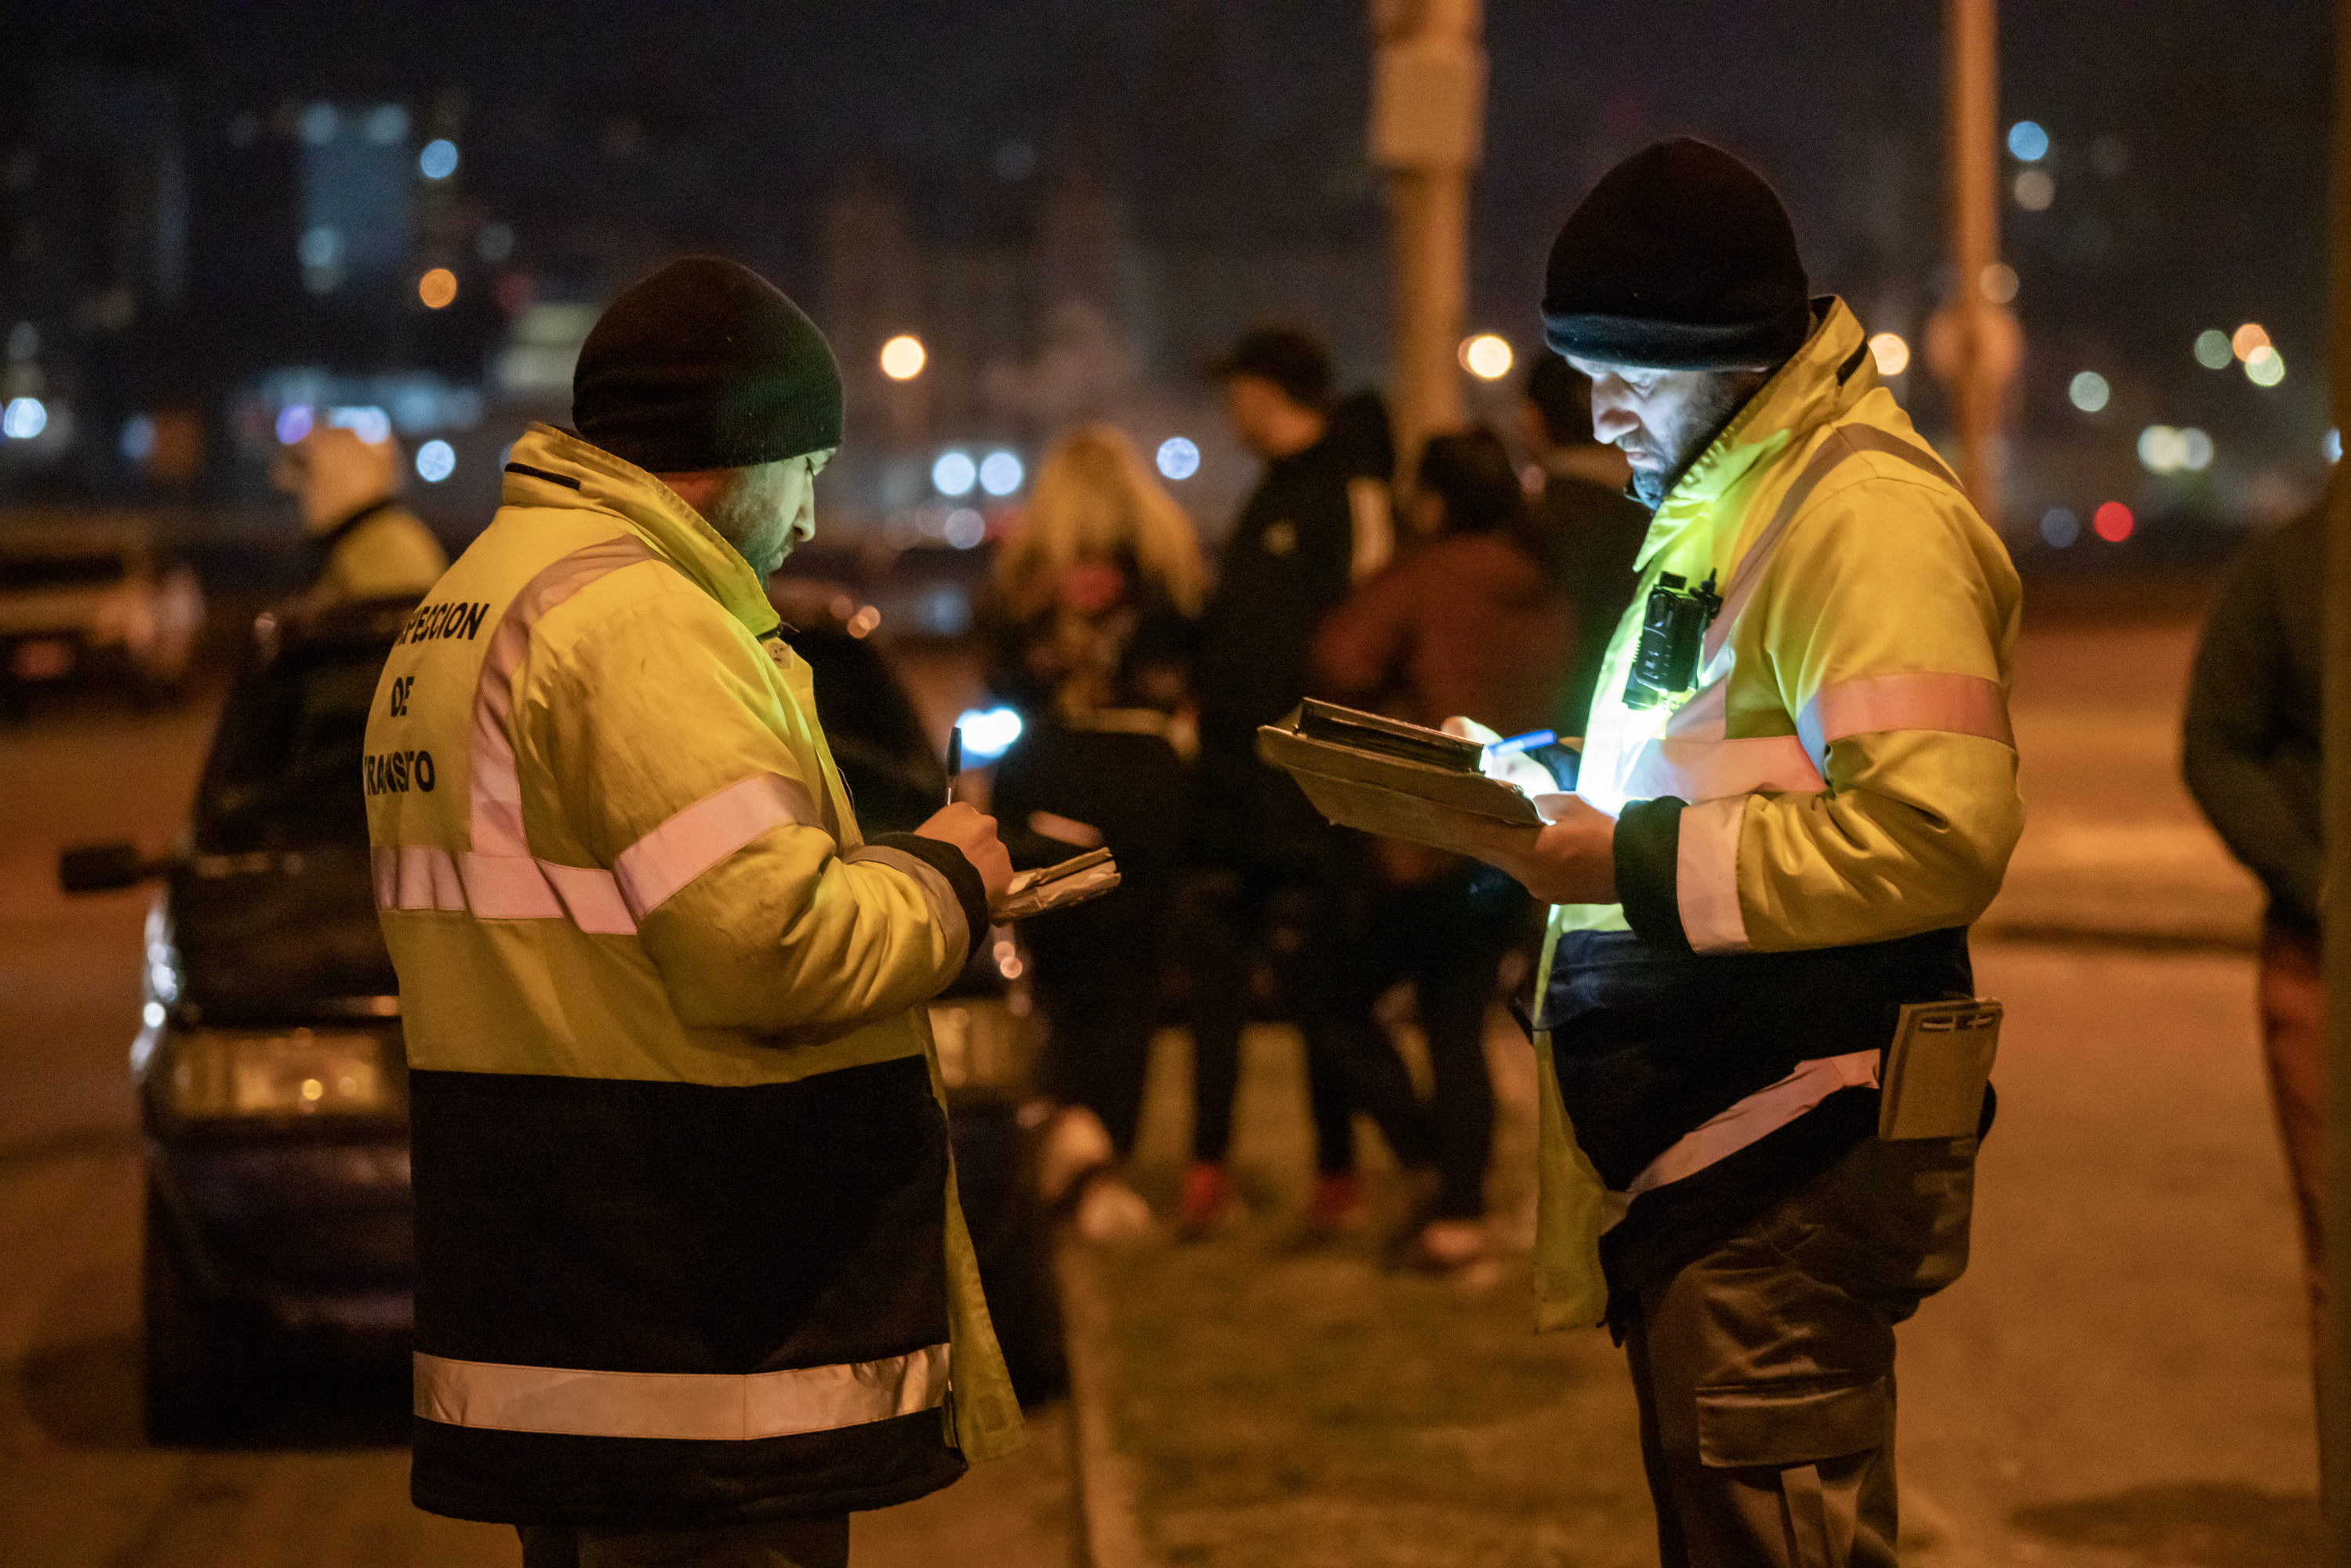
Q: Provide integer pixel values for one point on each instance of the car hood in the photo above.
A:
(280, 937)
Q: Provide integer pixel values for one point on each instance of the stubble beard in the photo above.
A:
(1703, 417)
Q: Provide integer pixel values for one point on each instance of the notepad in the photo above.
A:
(1400, 781)
(1078, 880)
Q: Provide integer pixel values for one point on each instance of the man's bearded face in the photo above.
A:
(1662, 420)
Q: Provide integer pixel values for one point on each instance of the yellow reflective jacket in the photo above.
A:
(1841, 771)
(384, 552)
(680, 1150)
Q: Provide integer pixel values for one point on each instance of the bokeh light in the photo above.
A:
(2162, 450)
(437, 288)
(2089, 391)
(2112, 522)
(964, 527)
(903, 357)
(24, 418)
(2330, 445)
(292, 422)
(2212, 349)
(439, 158)
(367, 422)
(2034, 190)
(2060, 528)
(988, 732)
(953, 474)
(1178, 458)
(2027, 141)
(1997, 282)
(436, 461)
(2249, 339)
(1892, 354)
(2265, 367)
(1000, 474)
(1486, 357)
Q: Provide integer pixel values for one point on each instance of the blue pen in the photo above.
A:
(1526, 742)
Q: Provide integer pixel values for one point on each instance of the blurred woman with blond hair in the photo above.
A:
(1090, 634)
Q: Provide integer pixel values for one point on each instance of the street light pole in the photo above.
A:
(1428, 91)
(1972, 342)
(2334, 1399)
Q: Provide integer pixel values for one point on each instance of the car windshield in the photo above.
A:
(285, 767)
(38, 573)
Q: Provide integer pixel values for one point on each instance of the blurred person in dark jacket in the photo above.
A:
(1317, 521)
(1590, 530)
(2251, 754)
(1090, 631)
(1466, 619)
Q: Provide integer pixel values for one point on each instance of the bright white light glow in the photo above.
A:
(439, 158)
(24, 419)
(988, 732)
(2027, 141)
(435, 460)
(953, 474)
(2060, 527)
(1892, 354)
(2089, 391)
(2331, 445)
(292, 422)
(1998, 283)
(1000, 474)
(2212, 350)
(2265, 367)
(368, 423)
(2034, 190)
(964, 527)
(2168, 451)
(151, 1015)
(903, 357)
(1178, 458)
(1486, 357)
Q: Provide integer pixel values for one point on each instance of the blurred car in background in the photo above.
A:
(270, 1070)
(89, 598)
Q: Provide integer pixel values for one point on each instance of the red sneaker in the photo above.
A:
(1208, 1195)
(1337, 1204)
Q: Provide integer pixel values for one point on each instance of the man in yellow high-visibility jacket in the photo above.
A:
(1797, 788)
(692, 1280)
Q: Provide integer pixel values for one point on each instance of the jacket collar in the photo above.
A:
(571, 472)
(1817, 385)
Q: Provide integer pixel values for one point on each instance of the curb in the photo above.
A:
(1109, 1533)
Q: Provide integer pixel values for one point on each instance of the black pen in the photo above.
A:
(955, 758)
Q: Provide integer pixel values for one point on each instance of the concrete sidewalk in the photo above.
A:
(2121, 1379)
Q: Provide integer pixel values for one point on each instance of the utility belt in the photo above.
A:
(1671, 1063)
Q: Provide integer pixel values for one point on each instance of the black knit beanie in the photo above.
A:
(706, 364)
(1681, 258)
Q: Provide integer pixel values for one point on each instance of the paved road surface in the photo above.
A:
(2119, 1379)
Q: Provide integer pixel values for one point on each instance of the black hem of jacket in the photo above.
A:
(1647, 853)
(605, 1480)
(962, 875)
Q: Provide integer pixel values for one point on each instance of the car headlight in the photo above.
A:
(286, 1072)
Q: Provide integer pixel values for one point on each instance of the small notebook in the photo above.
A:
(1078, 880)
(1399, 780)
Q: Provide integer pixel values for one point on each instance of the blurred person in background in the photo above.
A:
(1316, 522)
(370, 546)
(1465, 620)
(1797, 791)
(1090, 633)
(2251, 754)
(1590, 530)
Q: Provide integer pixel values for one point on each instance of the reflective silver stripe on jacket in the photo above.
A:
(1750, 1120)
(699, 1407)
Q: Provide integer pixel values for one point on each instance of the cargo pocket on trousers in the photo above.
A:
(1773, 1426)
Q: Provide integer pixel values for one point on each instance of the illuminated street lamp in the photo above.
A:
(1486, 357)
(903, 358)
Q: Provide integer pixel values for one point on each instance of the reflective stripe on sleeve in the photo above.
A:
(947, 909)
(1759, 1116)
(704, 834)
(706, 1407)
(1695, 770)
(1958, 705)
(1706, 875)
